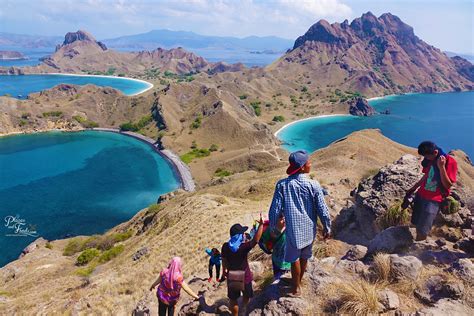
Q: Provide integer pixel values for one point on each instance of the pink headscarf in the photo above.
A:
(173, 272)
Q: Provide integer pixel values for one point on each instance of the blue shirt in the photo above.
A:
(301, 200)
(214, 259)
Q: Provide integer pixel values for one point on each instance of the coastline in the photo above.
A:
(148, 84)
(180, 168)
(305, 119)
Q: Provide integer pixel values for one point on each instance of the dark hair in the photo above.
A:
(215, 251)
(427, 148)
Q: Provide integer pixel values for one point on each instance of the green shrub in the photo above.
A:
(243, 97)
(25, 116)
(85, 272)
(135, 127)
(110, 71)
(122, 236)
(111, 253)
(304, 89)
(256, 107)
(154, 208)
(49, 245)
(22, 123)
(73, 246)
(86, 256)
(85, 122)
(53, 114)
(221, 173)
(213, 147)
(278, 118)
(197, 122)
(195, 153)
(394, 216)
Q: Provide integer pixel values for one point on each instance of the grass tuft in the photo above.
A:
(381, 267)
(111, 253)
(358, 297)
(394, 216)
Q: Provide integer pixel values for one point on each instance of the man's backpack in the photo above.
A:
(267, 242)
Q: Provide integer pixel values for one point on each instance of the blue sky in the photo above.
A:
(446, 24)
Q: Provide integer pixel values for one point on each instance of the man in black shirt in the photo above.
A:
(235, 264)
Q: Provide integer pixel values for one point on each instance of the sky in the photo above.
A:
(446, 24)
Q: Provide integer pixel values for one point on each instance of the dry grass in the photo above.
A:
(381, 268)
(356, 297)
(394, 216)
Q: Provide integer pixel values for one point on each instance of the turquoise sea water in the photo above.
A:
(21, 86)
(445, 118)
(66, 184)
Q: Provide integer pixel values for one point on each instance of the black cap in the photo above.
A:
(237, 229)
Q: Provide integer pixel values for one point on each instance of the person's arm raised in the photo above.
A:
(259, 232)
(188, 290)
(155, 283)
(445, 180)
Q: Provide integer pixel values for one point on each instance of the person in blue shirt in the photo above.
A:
(214, 260)
(301, 200)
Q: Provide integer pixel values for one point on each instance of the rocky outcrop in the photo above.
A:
(360, 107)
(437, 287)
(376, 194)
(81, 36)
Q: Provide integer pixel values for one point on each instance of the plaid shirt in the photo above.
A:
(300, 199)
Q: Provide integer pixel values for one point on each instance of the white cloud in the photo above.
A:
(108, 18)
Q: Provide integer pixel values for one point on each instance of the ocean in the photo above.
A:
(65, 184)
(21, 86)
(445, 118)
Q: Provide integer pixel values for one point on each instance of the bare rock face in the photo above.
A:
(393, 57)
(376, 194)
(360, 107)
(83, 36)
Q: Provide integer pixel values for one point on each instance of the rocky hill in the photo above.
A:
(375, 56)
(82, 53)
(426, 277)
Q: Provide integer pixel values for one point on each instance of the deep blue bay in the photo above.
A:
(22, 85)
(445, 118)
(66, 184)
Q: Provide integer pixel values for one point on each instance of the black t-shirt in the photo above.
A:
(238, 260)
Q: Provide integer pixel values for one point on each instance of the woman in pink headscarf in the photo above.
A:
(169, 284)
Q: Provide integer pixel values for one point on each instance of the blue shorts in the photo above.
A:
(292, 254)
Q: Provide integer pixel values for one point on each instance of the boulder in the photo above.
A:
(436, 288)
(466, 244)
(447, 307)
(407, 267)
(464, 269)
(391, 240)
(376, 194)
(140, 253)
(142, 309)
(389, 299)
(356, 252)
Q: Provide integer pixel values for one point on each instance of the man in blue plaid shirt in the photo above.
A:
(301, 200)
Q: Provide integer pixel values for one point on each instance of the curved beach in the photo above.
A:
(305, 119)
(148, 84)
(181, 169)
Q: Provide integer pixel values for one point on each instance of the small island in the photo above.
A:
(11, 55)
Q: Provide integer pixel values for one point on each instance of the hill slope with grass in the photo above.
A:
(111, 273)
